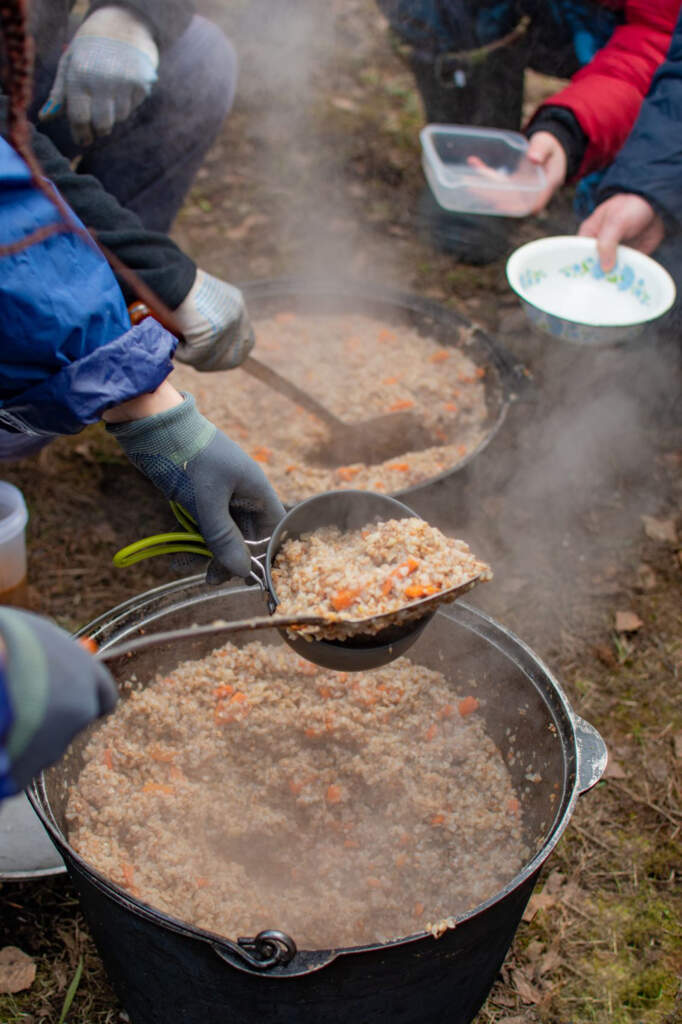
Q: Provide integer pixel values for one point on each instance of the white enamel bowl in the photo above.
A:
(566, 294)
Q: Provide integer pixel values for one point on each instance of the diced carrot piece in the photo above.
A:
(157, 787)
(223, 691)
(201, 881)
(311, 733)
(344, 598)
(389, 381)
(480, 372)
(467, 706)
(386, 335)
(347, 472)
(437, 819)
(373, 883)
(401, 467)
(401, 403)
(261, 454)
(128, 872)
(461, 450)
(440, 356)
(291, 468)
(106, 757)
(333, 794)
(238, 698)
(431, 732)
(416, 590)
(295, 786)
(513, 805)
(450, 407)
(324, 692)
(88, 644)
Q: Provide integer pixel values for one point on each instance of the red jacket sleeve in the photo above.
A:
(605, 95)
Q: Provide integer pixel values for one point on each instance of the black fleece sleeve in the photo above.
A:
(564, 126)
(167, 19)
(151, 254)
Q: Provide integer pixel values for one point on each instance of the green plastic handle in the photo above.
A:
(165, 543)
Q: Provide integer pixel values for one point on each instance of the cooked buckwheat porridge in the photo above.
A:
(371, 571)
(251, 789)
(358, 367)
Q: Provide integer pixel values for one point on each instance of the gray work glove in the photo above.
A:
(107, 70)
(195, 464)
(54, 689)
(216, 332)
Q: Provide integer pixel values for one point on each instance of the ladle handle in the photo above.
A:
(285, 387)
(222, 628)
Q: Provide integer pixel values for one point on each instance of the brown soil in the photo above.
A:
(318, 167)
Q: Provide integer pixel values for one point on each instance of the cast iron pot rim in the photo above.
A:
(513, 376)
(313, 960)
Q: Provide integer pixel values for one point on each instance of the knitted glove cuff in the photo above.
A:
(178, 434)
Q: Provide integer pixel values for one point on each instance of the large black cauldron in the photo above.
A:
(164, 970)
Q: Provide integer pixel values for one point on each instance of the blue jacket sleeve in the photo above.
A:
(650, 162)
(67, 349)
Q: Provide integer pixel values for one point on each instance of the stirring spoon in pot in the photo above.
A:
(371, 441)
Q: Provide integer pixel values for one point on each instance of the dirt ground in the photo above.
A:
(576, 503)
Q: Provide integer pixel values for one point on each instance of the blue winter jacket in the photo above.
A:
(67, 349)
(650, 162)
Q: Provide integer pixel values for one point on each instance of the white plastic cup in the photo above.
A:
(13, 519)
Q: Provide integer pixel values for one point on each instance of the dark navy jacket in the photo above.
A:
(650, 162)
(67, 349)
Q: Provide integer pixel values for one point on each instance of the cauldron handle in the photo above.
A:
(592, 754)
(270, 948)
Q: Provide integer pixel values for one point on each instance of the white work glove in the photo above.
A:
(216, 331)
(107, 70)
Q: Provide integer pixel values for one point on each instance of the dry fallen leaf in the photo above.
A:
(662, 530)
(343, 103)
(628, 622)
(241, 231)
(538, 901)
(17, 970)
(528, 992)
(614, 770)
(646, 577)
(549, 961)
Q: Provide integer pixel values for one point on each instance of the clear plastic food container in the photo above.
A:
(480, 170)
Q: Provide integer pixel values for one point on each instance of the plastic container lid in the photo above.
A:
(13, 512)
(480, 170)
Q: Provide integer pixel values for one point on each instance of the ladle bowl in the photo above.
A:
(347, 510)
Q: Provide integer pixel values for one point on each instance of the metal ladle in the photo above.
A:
(347, 510)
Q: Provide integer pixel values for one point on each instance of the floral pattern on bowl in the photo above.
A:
(622, 275)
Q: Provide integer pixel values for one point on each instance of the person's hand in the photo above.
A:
(545, 150)
(54, 689)
(196, 465)
(216, 331)
(623, 218)
(107, 70)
